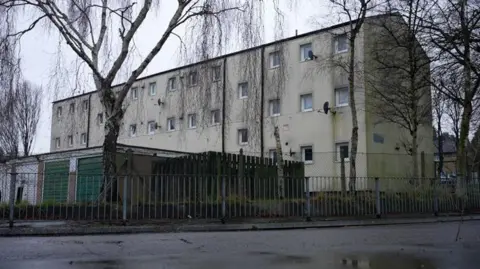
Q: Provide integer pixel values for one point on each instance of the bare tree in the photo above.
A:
(27, 113)
(400, 79)
(356, 13)
(453, 29)
(84, 24)
(9, 77)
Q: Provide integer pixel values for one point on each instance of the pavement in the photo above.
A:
(413, 246)
(62, 228)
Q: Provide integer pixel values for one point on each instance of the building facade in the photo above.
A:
(235, 101)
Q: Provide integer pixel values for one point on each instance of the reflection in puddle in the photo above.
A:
(386, 260)
(343, 261)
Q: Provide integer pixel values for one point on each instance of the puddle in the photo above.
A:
(343, 261)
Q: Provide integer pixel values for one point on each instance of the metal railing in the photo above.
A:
(40, 196)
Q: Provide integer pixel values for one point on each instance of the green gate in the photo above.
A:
(55, 185)
(89, 179)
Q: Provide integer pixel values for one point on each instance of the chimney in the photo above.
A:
(296, 32)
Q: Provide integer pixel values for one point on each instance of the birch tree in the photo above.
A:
(83, 25)
(356, 13)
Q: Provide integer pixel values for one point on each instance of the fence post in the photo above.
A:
(377, 198)
(435, 198)
(13, 181)
(307, 200)
(125, 184)
(223, 200)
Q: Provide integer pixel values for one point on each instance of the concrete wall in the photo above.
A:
(319, 77)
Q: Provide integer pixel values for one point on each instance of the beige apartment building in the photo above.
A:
(234, 101)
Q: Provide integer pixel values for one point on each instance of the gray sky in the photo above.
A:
(39, 50)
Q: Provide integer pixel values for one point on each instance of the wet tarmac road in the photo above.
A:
(390, 247)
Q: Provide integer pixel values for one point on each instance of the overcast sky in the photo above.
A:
(39, 51)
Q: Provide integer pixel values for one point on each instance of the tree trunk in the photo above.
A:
(415, 157)
(461, 151)
(353, 109)
(280, 174)
(440, 146)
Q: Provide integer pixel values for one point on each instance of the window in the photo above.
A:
(70, 140)
(274, 59)
(272, 154)
(100, 118)
(192, 121)
(151, 127)
(133, 130)
(83, 138)
(192, 78)
(57, 142)
(242, 136)
(243, 90)
(216, 73)
(153, 88)
(341, 43)
(305, 51)
(71, 108)
(341, 96)
(171, 124)
(342, 150)
(85, 105)
(172, 84)
(215, 117)
(274, 106)
(59, 112)
(134, 93)
(307, 154)
(306, 102)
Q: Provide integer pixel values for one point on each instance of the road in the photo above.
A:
(421, 246)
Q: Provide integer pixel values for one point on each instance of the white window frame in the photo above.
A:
(85, 105)
(59, 112)
(272, 154)
(271, 58)
(213, 113)
(152, 88)
(214, 73)
(240, 136)
(169, 121)
(336, 42)
(100, 118)
(192, 121)
(134, 93)
(337, 96)
(70, 140)
(302, 102)
(192, 74)
(83, 138)
(304, 56)
(302, 149)
(338, 146)
(240, 90)
(271, 105)
(57, 142)
(151, 127)
(132, 130)
(172, 84)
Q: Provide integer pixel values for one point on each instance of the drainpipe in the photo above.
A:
(224, 90)
(262, 101)
(88, 118)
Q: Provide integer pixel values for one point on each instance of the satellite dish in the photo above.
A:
(325, 107)
(160, 102)
(311, 56)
